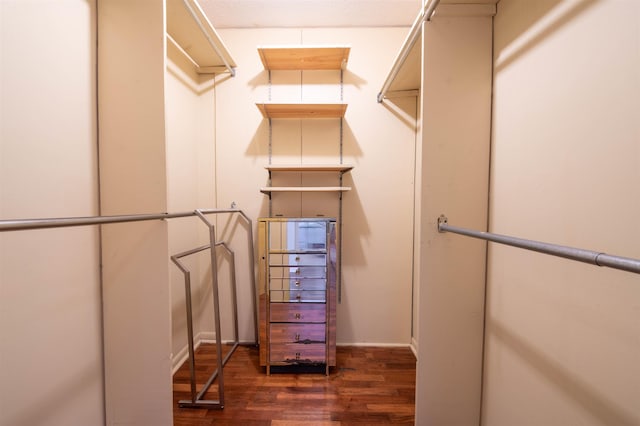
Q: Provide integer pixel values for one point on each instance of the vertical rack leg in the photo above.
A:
(216, 306)
(339, 236)
(234, 297)
(270, 150)
(192, 359)
(254, 290)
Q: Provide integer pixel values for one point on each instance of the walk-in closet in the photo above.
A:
(319, 212)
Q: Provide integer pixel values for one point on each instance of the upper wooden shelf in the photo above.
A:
(343, 168)
(300, 110)
(304, 57)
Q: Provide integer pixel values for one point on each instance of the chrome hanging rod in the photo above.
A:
(424, 15)
(26, 224)
(32, 224)
(580, 255)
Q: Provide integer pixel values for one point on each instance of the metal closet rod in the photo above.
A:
(581, 255)
(424, 15)
(26, 224)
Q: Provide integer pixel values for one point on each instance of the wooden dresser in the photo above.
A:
(297, 292)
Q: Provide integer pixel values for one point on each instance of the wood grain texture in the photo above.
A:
(299, 110)
(298, 312)
(371, 386)
(293, 333)
(290, 353)
(304, 57)
(309, 167)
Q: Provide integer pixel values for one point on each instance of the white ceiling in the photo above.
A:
(315, 13)
(310, 13)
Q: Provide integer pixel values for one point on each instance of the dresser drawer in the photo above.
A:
(297, 284)
(282, 259)
(294, 272)
(298, 312)
(298, 296)
(297, 353)
(297, 333)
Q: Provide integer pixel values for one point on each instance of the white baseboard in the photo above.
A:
(179, 359)
(375, 345)
(203, 337)
(183, 354)
(206, 337)
(210, 337)
(414, 347)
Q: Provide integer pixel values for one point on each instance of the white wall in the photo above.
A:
(562, 337)
(133, 179)
(455, 130)
(190, 185)
(50, 309)
(377, 212)
(191, 179)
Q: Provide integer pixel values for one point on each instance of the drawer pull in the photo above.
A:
(298, 271)
(297, 283)
(299, 297)
(298, 316)
(297, 338)
(297, 356)
(297, 258)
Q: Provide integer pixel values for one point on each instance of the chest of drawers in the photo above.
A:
(297, 291)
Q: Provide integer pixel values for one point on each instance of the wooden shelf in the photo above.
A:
(269, 189)
(304, 57)
(190, 29)
(300, 110)
(343, 168)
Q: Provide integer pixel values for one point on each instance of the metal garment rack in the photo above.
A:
(33, 224)
(196, 398)
(581, 255)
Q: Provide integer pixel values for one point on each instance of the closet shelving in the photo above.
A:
(191, 32)
(304, 57)
(404, 78)
(317, 57)
(302, 110)
(270, 189)
(309, 167)
(339, 168)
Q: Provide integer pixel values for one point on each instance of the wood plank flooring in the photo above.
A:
(371, 386)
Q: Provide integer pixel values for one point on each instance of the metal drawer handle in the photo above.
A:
(297, 356)
(299, 297)
(297, 283)
(297, 338)
(297, 258)
(298, 271)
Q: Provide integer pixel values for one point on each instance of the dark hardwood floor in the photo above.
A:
(371, 386)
